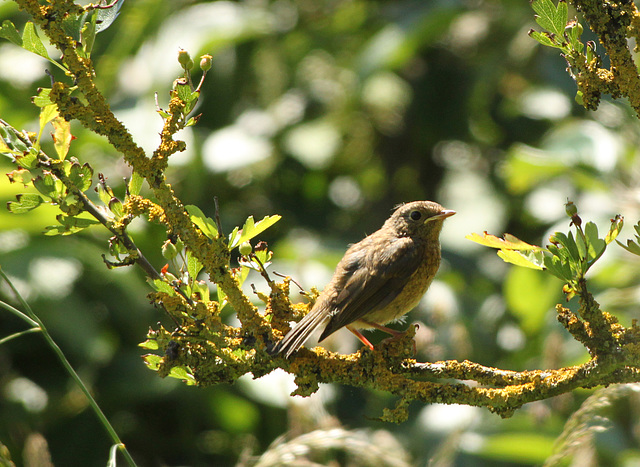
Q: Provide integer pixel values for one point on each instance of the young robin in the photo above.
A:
(379, 279)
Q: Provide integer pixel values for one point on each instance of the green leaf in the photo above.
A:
(183, 374)
(81, 176)
(107, 16)
(9, 32)
(204, 223)
(189, 97)
(43, 98)
(550, 17)
(533, 260)
(28, 159)
(149, 344)
(135, 184)
(47, 113)
(160, 285)
(104, 193)
(194, 266)
(251, 230)
(631, 247)
(49, 186)
(69, 225)
(596, 246)
(543, 38)
(25, 203)
(152, 361)
(509, 243)
(115, 206)
(31, 41)
(558, 268)
(200, 288)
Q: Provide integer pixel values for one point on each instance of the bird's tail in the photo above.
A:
(300, 332)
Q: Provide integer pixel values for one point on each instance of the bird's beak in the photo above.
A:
(442, 215)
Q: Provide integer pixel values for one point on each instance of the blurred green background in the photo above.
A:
(329, 113)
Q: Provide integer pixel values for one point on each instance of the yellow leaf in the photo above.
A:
(508, 243)
(62, 136)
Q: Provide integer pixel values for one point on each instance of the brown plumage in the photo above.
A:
(379, 279)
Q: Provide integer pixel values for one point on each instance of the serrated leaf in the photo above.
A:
(550, 17)
(533, 260)
(543, 38)
(25, 203)
(28, 159)
(43, 98)
(49, 186)
(204, 223)
(555, 266)
(251, 229)
(69, 225)
(194, 266)
(631, 247)
(62, 136)
(31, 41)
(509, 242)
(160, 285)
(189, 97)
(9, 32)
(81, 176)
(106, 16)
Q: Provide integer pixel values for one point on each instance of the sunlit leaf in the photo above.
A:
(149, 344)
(25, 203)
(194, 266)
(49, 186)
(62, 136)
(160, 285)
(551, 17)
(8, 31)
(616, 226)
(69, 225)
(135, 184)
(251, 229)
(152, 361)
(204, 223)
(31, 41)
(533, 260)
(508, 243)
(81, 176)
(183, 374)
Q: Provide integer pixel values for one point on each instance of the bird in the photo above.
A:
(379, 279)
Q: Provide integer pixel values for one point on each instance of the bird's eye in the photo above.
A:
(416, 215)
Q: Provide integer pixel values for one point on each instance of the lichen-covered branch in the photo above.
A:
(614, 23)
(204, 350)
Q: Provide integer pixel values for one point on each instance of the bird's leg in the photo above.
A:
(395, 334)
(382, 328)
(359, 335)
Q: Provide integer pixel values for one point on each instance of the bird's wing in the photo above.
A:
(372, 280)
